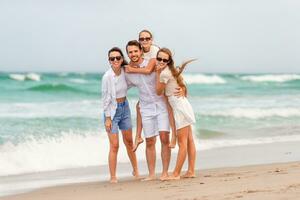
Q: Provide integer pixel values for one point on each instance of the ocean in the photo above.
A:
(52, 121)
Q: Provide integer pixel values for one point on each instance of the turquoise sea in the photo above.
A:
(51, 121)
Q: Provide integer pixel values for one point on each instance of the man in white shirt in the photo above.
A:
(153, 109)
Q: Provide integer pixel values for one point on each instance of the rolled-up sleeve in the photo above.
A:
(106, 97)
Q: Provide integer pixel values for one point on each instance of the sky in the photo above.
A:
(226, 36)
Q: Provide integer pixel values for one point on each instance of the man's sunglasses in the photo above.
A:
(141, 39)
(162, 59)
(115, 58)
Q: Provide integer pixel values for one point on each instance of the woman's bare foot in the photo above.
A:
(137, 142)
(189, 175)
(149, 178)
(173, 142)
(113, 180)
(136, 174)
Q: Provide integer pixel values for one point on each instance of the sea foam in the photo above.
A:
(17, 77)
(203, 79)
(67, 151)
(271, 78)
(256, 113)
(23, 77)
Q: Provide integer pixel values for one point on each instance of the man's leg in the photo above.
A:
(165, 153)
(151, 157)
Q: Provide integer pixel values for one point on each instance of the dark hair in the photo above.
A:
(176, 71)
(133, 43)
(146, 31)
(117, 49)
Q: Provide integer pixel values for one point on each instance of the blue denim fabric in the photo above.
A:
(122, 118)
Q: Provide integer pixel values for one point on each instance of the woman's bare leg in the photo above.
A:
(182, 152)
(139, 126)
(112, 156)
(127, 139)
(191, 156)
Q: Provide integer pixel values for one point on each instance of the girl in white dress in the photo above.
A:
(168, 79)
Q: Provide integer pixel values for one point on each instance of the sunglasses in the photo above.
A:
(141, 39)
(115, 58)
(162, 59)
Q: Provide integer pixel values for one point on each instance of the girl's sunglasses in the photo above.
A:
(115, 58)
(162, 59)
(141, 39)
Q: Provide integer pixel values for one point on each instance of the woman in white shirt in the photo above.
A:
(117, 111)
(168, 79)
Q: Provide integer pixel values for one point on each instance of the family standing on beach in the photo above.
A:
(162, 103)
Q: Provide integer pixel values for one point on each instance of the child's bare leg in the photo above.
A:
(139, 127)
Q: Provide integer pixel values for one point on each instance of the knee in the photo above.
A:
(114, 147)
(128, 143)
(182, 144)
(150, 143)
(165, 141)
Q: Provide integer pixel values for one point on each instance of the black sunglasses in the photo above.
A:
(115, 58)
(141, 39)
(162, 59)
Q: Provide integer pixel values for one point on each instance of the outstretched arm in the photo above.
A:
(142, 70)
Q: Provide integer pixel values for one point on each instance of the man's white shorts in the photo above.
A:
(155, 118)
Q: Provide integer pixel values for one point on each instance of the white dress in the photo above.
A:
(182, 109)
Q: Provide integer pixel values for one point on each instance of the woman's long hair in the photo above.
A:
(117, 49)
(176, 71)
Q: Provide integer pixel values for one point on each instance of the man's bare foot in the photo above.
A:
(172, 177)
(137, 142)
(113, 180)
(149, 178)
(173, 142)
(189, 175)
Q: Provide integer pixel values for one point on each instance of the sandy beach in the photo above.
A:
(265, 171)
(259, 182)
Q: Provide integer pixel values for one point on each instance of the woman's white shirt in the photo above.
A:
(171, 83)
(112, 87)
(121, 85)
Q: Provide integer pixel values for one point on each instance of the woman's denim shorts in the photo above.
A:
(122, 118)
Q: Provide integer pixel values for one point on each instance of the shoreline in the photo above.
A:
(218, 158)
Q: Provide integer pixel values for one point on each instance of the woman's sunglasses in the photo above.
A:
(115, 58)
(141, 39)
(162, 59)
